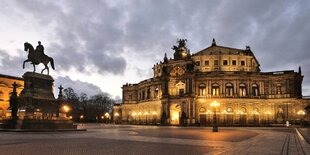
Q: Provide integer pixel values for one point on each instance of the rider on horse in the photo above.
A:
(37, 56)
(39, 51)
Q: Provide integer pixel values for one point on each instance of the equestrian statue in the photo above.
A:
(37, 56)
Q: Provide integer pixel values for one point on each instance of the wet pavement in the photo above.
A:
(123, 139)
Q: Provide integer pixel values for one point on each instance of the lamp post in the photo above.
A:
(268, 113)
(255, 119)
(107, 115)
(225, 115)
(214, 104)
(134, 114)
(154, 113)
(81, 117)
(240, 119)
(146, 114)
(139, 114)
(65, 109)
(116, 117)
(301, 113)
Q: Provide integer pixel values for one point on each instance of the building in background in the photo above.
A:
(183, 88)
(6, 88)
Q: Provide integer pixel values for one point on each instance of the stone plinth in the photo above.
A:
(38, 86)
(42, 109)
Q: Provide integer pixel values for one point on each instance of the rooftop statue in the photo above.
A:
(37, 56)
(181, 50)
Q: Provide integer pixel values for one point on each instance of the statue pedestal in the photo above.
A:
(38, 86)
(42, 109)
(37, 96)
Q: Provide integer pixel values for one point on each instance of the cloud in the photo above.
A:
(11, 65)
(110, 37)
(77, 85)
(78, 39)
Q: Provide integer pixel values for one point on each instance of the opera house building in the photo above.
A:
(184, 89)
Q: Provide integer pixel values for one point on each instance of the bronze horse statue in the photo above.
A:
(36, 58)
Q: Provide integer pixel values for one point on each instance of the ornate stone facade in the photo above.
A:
(6, 88)
(183, 88)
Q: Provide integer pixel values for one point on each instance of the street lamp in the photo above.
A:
(107, 115)
(225, 115)
(146, 114)
(139, 114)
(81, 118)
(301, 113)
(154, 113)
(214, 104)
(255, 115)
(65, 108)
(116, 116)
(134, 114)
(268, 113)
(102, 118)
(240, 114)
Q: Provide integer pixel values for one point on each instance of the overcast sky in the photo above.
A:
(99, 45)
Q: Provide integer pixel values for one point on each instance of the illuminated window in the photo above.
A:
(229, 89)
(202, 90)
(181, 88)
(243, 110)
(242, 89)
(215, 89)
(202, 110)
(254, 90)
(230, 110)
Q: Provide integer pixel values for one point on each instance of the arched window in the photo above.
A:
(255, 90)
(242, 89)
(181, 88)
(230, 110)
(1, 96)
(255, 111)
(242, 110)
(202, 89)
(229, 89)
(202, 110)
(215, 89)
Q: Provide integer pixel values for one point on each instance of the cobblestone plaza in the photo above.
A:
(122, 139)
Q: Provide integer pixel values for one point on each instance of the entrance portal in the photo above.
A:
(175, 112)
